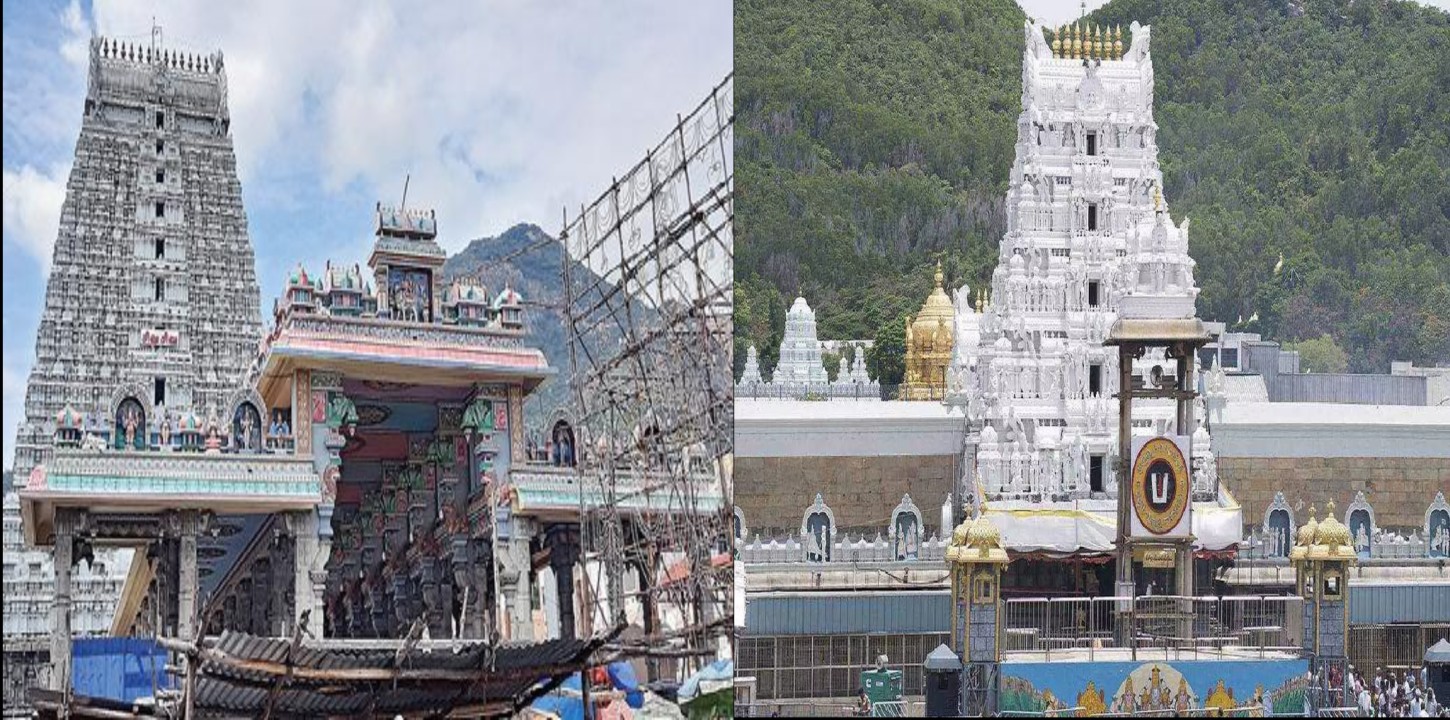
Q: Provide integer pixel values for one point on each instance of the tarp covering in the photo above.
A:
(1439, 652)
(1090, 526)
(118, 668)
(717, 676)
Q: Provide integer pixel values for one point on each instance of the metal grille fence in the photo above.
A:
(1174, 627)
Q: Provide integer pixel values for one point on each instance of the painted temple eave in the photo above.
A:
(392, 351)
(547, 492)
(157, 481)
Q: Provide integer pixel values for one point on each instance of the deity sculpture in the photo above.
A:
(132, 420)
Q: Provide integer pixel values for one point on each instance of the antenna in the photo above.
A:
(155, 35)
(1083, 14)
(404, 204)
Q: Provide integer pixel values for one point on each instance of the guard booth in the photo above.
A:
(943, 676)
(1437, 669)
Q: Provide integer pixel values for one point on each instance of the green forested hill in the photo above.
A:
(872, 137)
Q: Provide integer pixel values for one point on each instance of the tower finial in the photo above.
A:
(1057, 42)
(1118, 42)
(938, 273)
(1157, 198)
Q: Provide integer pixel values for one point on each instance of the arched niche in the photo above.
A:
(246, 415)
(1279, 526)
(818, 531)
(739, 522)
(1437, 528)
(1359, 518)
(906, 529)
(130, 405)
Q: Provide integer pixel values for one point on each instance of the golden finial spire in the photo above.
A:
(938, 273)
(1089, 51)
(1097, 42)
(1118, 42)
(1076, 41)
(1329, 509)
(1057, 42)
(1157, 198)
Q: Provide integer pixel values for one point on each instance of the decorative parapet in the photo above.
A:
(545, 487)
(155, 473)
(844, 550)
(365, 328)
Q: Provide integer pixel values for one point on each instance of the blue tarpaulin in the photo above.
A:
(566, 701)
(121, 669)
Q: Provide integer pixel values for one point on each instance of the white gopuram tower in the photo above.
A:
(800, 351)
(1086, 228)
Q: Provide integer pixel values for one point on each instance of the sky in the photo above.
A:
(503, 112)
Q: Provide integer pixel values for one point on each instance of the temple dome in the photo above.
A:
(1332, 533)
(936, 313)
(507, 298)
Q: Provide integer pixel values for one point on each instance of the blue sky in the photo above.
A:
(503, 112)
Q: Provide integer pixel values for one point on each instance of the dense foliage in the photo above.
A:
(873, 137)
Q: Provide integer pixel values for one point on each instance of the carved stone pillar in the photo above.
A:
(309, 567)
(563, 554)
(187, 576)
(514, 568)
(60, 638)
(279, 613)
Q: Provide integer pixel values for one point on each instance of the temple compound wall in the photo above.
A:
(1401, 487)
(861, 458)
(1398, 456)
(774, 492)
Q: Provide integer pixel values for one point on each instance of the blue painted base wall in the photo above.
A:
(1103, 686)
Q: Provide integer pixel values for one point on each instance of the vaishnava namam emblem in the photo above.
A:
(1160, 485)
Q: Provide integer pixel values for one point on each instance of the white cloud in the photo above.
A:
(14, 407)
(502, 112)
(32, 209)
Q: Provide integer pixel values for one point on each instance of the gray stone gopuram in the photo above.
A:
(152, 293)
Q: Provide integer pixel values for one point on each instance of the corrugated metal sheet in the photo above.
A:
(885, 613)
(1386, 604)
(907, 612)
(1346, 388)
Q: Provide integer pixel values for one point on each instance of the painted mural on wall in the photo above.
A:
(1127, 687)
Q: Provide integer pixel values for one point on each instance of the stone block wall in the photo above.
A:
(1399, 489)
(774, 492)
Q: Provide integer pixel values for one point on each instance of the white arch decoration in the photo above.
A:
(818, 507)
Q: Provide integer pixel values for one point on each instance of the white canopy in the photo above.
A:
(1091, 525)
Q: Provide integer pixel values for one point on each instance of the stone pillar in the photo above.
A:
(514, 567)
(279, 613)
(309, 568)
(60, 638)
(563, 554)
(187, 576)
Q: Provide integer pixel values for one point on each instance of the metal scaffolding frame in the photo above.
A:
(647, 306)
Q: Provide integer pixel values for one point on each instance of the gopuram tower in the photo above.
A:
(153, 287)
(152, 296)
(1086, 227)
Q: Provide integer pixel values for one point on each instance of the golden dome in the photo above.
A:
(1305, 538)
(936, 314)
(1332, 533)
(983, 534)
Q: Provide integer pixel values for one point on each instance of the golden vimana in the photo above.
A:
(1078, 42)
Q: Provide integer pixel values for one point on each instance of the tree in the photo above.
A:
(1320, 355)
(832, 361)
(887, 357)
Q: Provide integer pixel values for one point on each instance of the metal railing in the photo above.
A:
(814, 391)
(1171, 627)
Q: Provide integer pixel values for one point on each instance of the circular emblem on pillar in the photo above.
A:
(1160, 485)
